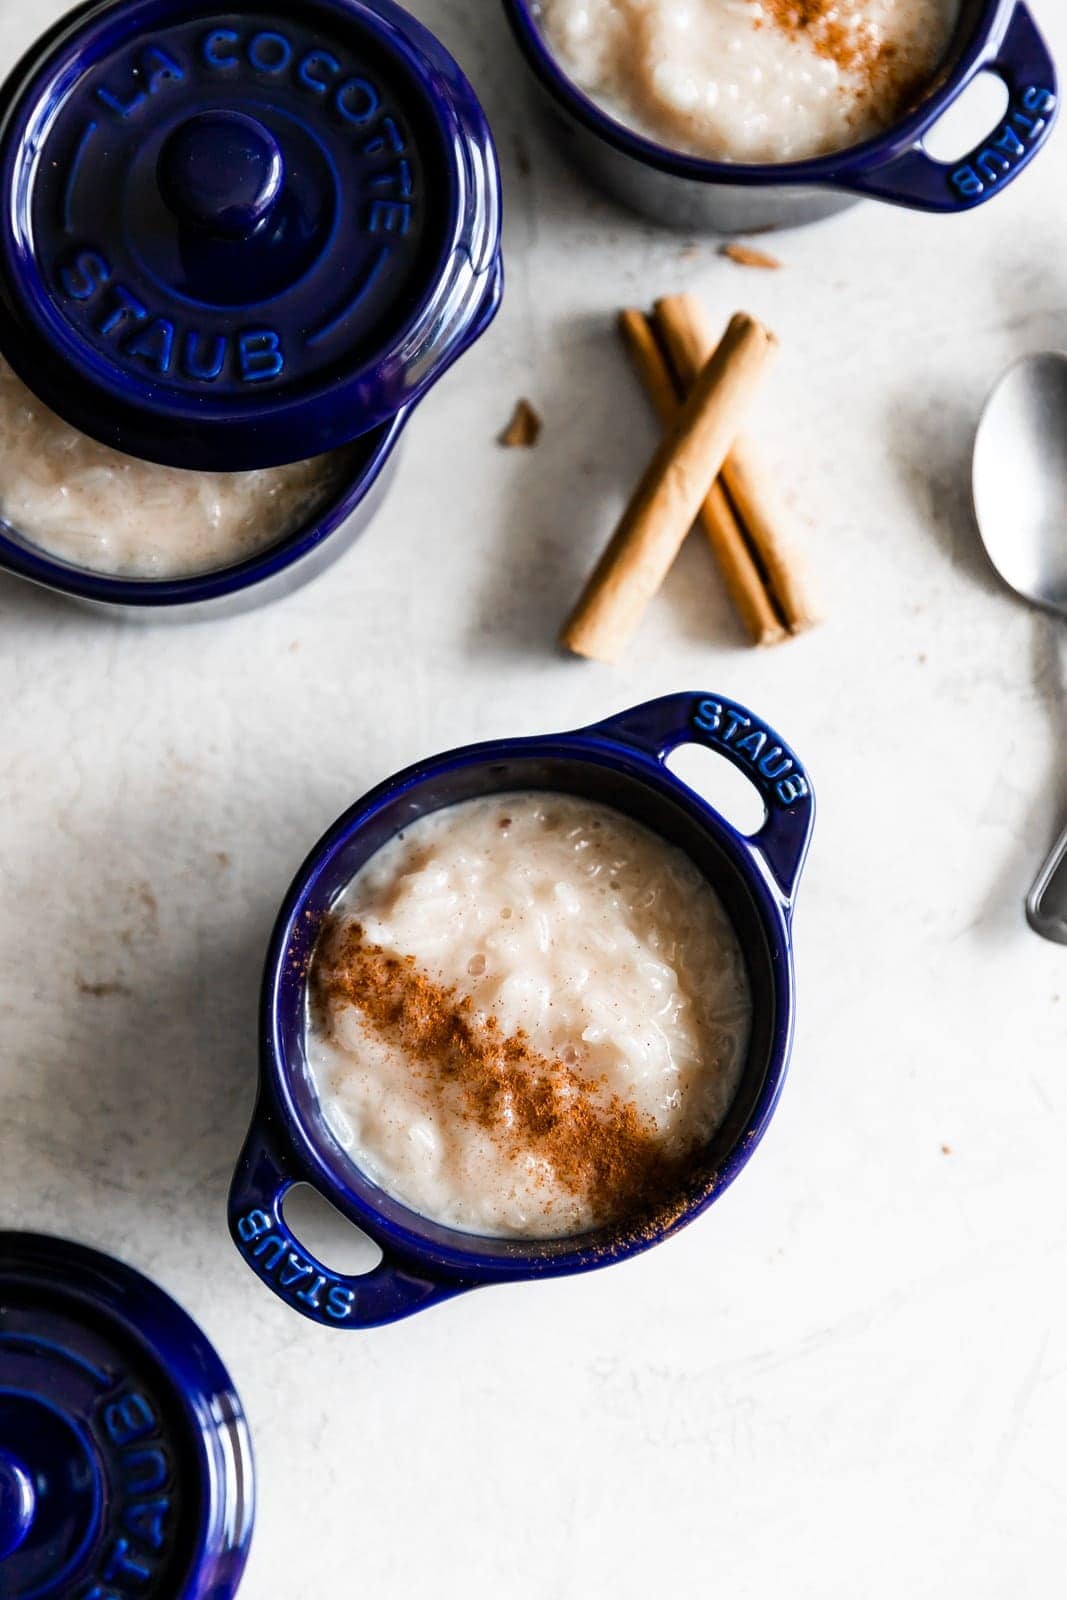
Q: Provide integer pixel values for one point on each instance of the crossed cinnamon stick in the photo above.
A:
(700, 392)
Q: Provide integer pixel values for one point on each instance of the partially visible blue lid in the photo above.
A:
(238, 234)
(125, 1466)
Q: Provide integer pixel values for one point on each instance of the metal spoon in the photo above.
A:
(1020, 500)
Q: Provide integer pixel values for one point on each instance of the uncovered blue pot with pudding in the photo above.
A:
(236, 237)
(621, 764)
(686, 191)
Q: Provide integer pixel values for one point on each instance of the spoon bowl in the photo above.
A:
(1019, 482)
(1020, 479)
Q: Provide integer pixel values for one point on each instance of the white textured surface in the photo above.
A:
(850, 1379)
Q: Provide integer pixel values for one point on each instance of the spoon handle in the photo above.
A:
(1046, 904)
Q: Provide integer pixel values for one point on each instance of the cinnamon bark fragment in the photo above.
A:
(745, 256)
(524, 429)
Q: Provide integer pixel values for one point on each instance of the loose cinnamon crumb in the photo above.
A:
(524, 429)
(100, 991)
(601, 1149)
(745, 256)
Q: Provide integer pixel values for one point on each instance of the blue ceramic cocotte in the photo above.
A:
(239, 235)
(996, 36)
(125, 1465)
(621, 763)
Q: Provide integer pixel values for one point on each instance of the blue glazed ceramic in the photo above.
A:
(240, 235)
(997, 36)
(620, 762)
(125, 1465)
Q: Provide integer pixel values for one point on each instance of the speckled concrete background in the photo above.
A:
(850, 1379)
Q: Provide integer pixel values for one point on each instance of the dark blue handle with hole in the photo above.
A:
(753, 748)
(1017, 54)
(265, 1173)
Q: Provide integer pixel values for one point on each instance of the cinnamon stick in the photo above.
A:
(759, 506)
(740, 574)
(683, 326)
(652, 369)
(665, 503)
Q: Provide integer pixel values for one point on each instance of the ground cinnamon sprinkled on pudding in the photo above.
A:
(752, 80)
(600, 1148)
(527, 1017)
(840, 31)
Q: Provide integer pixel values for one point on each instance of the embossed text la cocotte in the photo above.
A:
(237, 240)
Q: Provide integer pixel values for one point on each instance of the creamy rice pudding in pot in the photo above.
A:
(100, 510)
(752, 80)
(237, 247)
(736, 116)
(526, 1014)
(527, 1010)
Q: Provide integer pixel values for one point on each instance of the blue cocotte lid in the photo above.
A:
(125, 1467)
(240, 234)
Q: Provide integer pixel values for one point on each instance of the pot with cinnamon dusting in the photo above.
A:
(747, 114)
(527, 1011)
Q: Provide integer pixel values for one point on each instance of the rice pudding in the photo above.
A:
(95, 508)
(526, 1015)
(751, 80)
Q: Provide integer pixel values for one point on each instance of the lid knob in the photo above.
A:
(17, 1504)
(221, 171)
